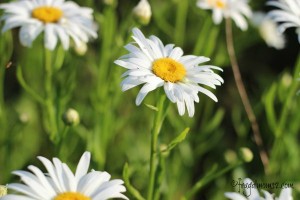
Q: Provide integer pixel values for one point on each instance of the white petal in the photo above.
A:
(286, 194)
(51, 170)
(28, 33)
(89, 183)
(50, 37)
(181, 107)
(145, 90)
(234, 196)
(16, 197)
(176, 53)
(83, 165)
(217, 16)
(251, 192)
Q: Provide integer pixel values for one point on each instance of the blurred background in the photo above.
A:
(116, 131)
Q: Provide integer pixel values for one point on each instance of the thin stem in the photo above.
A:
(49, 101)
(62, 137)
(201, 183)
(286, 107)
(181, 16)
(243, 94)
(27, 88)
(158, 120)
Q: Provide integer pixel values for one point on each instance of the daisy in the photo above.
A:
(268, 30)
(59, 20)
(155, 65)
(235, 9)
(59, 183)
(288, 14)
(252, 193)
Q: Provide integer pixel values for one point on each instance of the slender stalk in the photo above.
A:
(243, 94)
(180, 25)
(201, 183)
(158, 120)
(286, 107)
(49, 100)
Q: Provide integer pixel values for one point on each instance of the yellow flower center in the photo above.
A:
(168, 69)
(47, 14)
(220, 4)
(217, 3)
(71, 196)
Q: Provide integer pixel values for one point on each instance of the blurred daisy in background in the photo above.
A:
(59, 183)
(3, 190)
(252, 193)
(235, 9)
(59, 20)
(287, 14)
(268, 30)
(155, 65)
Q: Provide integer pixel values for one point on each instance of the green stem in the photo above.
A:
(243, 94)
(286, 107)
(27, 88)
(49, 100)
(158, 120)
(181, 16)
(60, 139)
(201, 183)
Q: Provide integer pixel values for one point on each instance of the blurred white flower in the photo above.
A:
(142, 12)
(59, 20)
(59, 183)
(155, 65)
(251, 193)
(287, 14)
(268, 30)
(235, 9)
(3, 190)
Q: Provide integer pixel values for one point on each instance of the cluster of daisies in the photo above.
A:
(149, 63)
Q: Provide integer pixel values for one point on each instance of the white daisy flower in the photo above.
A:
(59, 183)
(251, 193)
(155, 65)
(235, 9)
(268, 30)
(59, 20)
(288, 14)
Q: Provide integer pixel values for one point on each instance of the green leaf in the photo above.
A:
(27, 88)
(213, 123)
(177, 140)
(151, 107)
(269, 106)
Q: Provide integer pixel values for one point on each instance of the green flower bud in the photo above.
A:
(230, 156)
(246, 154)
(71, 117)
(81, 48)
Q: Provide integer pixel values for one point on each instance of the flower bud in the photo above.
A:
(142, 12)
(81, 48)
(3, 190)
(109, 2)
(246, 154)
(71, 117)
(230, 156)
